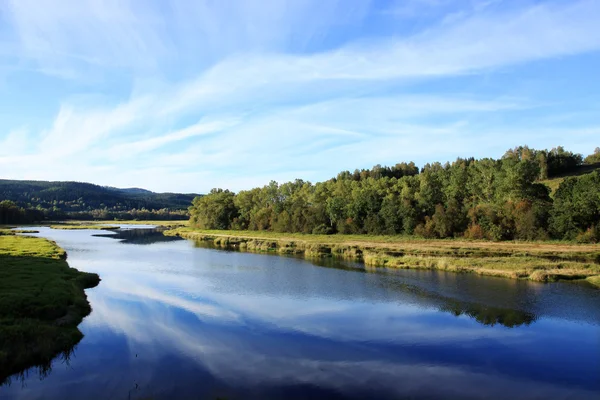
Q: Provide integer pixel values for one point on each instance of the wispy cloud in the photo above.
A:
(228, 96)
(145, 145)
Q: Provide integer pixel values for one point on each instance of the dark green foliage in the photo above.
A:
(561, 161)
(10, 213)
(59, 200)
(551, 163)
(576, 206)
(322, 230)
(397, 171)
(479, 199)
(215, 211)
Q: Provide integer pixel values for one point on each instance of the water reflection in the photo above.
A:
(483, 313)
(40, 371)
(171, 320)
(489, 315)
(142, 236)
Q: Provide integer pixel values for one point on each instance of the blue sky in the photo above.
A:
(190, 95)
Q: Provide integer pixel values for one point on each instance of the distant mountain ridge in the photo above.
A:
(72, 197)
(130, 190)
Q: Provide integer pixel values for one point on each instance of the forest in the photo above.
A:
(494, 199)
(28, 201)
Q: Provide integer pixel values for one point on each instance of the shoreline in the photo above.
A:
(44, 302)
(535, 261)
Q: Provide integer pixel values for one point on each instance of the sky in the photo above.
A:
(186, 96)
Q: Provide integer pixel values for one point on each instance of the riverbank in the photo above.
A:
(102, 225)
(537, 261)
(70, 227)
(166, 223)
(43, 300)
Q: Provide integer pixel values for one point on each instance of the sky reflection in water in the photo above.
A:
(171, 319)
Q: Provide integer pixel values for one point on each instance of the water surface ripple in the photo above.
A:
(174, 319)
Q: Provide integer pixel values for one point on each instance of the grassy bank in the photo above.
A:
(103, 224)
(77, 226)
(42, 302)
(539, 261)
(172, 223)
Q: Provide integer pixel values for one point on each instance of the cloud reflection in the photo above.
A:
(234, 355)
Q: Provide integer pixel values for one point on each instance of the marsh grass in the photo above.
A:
(83, 226)
(539, 261)
(174, 223)
(594, 280)
(42, 301)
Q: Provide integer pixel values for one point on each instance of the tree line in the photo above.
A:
(80, 197)
(42, 200)
(495, 199)
(11, 213)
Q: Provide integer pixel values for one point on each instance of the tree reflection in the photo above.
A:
(42, 370)
(489, 315)
(483, 313)
(140, 236)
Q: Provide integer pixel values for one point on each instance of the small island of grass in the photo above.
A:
(76, 226)
(42, 302)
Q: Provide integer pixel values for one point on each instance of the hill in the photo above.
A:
(86, 200)
(130, 190)
(554, 182)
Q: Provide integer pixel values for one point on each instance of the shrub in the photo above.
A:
(322, 230)
(474, 231)
(591, 235)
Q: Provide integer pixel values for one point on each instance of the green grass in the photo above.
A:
(158, 223)
(82, 226)
(25, 231)
(42, 301)
(11, 231)
(594, 280)
(174, 223)
(539, 261)
(104, 225)
(555, 182)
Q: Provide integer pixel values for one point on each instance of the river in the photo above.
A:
(174, 319)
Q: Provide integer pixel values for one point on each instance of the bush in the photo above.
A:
(322, 230)
(591, 235)
(474, 231)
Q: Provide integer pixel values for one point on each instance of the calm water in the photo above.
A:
(174, 320)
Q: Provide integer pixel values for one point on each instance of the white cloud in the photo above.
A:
(16, 141)
(145, 145)
(276, 114)
(144, 35)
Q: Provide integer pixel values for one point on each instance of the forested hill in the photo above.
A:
(86, 200)
(526, 194)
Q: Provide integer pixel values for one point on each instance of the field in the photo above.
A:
(42, 302)
(539, 261)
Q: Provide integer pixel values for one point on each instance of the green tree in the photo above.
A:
(576, 206)
(593, 158)
(216, 210)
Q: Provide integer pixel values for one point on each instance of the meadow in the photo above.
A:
(42, 302)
